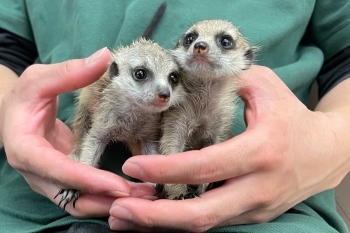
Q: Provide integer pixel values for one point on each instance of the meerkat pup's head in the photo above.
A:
(147, 75)
(213, 48)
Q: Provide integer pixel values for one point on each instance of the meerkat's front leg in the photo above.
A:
(91, 150)
(175, 136)
(149, 148)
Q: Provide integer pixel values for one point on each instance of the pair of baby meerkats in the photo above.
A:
(159, 101)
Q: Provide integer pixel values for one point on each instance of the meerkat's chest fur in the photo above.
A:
(126, 120)
(211, 111)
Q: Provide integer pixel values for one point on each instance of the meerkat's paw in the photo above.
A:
(67, 195)
(179, 191)
(214, 185)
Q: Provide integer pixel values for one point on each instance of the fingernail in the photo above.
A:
(120, 225)
(120, 212)
(151, 198)
(95, 56)
(118, 194)
(133, 169)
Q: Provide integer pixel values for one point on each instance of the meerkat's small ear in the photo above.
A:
(249, 57)
(249, 54)
(113, 70)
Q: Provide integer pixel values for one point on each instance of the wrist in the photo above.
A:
(1, 114)
(336, 129)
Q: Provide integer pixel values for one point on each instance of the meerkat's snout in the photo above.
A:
(163, 96)
(200, 48)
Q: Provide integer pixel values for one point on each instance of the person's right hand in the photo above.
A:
(36, 142)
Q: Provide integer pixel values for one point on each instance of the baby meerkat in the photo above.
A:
(210, 54)
(125, 105)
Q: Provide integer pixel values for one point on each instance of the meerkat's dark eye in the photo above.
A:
(189, 38)
(140, 74)
(226, 42)
(174, 78)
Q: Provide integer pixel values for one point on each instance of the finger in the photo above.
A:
(238, 156)
(51, 164)
(88, 205)
(61, 137)
(124, 225)
(197, 214)
(261, 84)
(140, 214)
(261, 91)
(51, 80)
(142, 190)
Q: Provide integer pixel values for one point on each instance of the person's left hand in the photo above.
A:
(285, 156)
(37, 143)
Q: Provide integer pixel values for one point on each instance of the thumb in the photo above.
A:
(52, 80)
(261, 90)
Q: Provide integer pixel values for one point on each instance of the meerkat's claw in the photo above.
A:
(214, 185)
(186, 196)
(159, 190)
(68, 195)
(191, 195)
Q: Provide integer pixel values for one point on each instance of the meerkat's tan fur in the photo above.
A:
(209, 76)
(122, 108)
(125, 104)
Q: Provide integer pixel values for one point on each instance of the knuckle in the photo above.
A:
(202, 222)
(64, 67)
(266, 199)
(11, 159)
(269, 157)
(31, 71)
(61, 69)
(28, 83)
(272, 153)
(77, 214)
(148, 222)
(258, 217)
(206, 170)
(31, 75)
(163, 174)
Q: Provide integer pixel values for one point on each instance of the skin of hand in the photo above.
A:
(36, 142)
(287, 154)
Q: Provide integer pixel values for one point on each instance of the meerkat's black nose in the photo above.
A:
(163, 96)
(200, 48)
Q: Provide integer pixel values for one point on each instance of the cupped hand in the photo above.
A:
(282, 158)
(36, 142)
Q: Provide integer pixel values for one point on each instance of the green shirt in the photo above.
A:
(295, 37)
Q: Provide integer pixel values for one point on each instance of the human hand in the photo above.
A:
(36, 142)
(285, 155)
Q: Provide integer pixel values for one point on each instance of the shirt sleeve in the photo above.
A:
(334, 70)
(16, 52)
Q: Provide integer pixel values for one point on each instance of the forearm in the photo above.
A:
(7, 80)
(336, 106)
